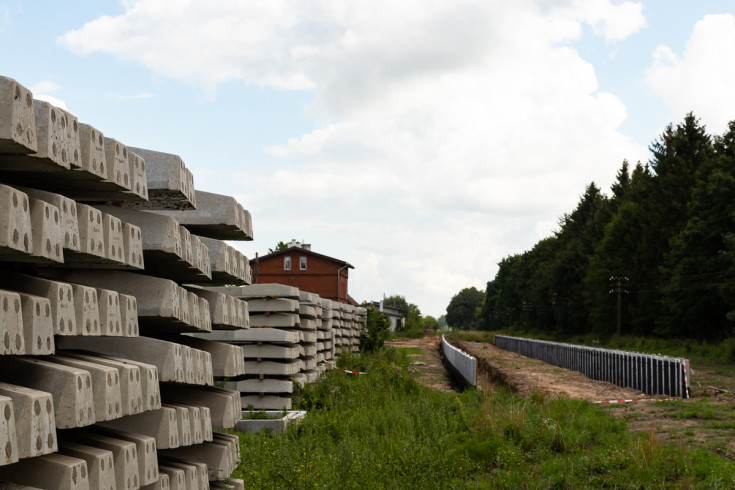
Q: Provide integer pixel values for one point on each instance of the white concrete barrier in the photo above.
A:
(463, 363)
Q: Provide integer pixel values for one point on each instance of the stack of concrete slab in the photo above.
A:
(310, 315)
(325, 335)
(71, 216)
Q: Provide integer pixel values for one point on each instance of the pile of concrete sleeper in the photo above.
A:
(106, 256)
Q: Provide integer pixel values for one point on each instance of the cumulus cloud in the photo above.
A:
(455, 132)
(702, 77)
(44, 89)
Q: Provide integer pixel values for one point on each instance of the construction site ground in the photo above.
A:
(705, 420)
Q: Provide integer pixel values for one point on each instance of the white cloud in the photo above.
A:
(701, 79)
(144, 95)
(456, 131)
(43, 90)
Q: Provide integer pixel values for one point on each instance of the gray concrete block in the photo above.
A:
(203, 260)
(204, 315)
(226, 359)
(200, 475)
(118, 166)
(216, 456)
(265, 290)
(274, 368)
(133, 245)
(105, 386)
(225, 261)
(92, 145)
(222, 403)
(91, 234)
(86, 310)
(251, 335)
(9, 452)
(138, 180)
(55, 471)
(129, 379)
(160, 424)
(129, 315)
(150, 389)
(186, 250)
(195, 429)
(162, 483)
(160, 234)
(168, 357)
(17, 121)
(228, 484)
(183, 424)
(255, 385)
(270, 351)
(51, 124)
(145, 447)
(170, 183)
(176, 477)
(278, 320)
(109, 309)
(206, 421)
(48, 240)
(38, 330)
(266, 402)
(280, 305)
(233, 442)
(68, 214)
(124, 455)
(16, 238)
(216, 216)
(70, 387)
(100, 465)
(113, 236)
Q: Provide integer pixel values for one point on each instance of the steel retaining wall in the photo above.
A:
(651, 374)
(463, 363)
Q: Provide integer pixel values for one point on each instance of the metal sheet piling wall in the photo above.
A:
(463, 363)
(651, 374)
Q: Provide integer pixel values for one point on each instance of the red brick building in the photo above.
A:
(309, 271)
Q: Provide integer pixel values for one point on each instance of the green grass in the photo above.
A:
(383, 430)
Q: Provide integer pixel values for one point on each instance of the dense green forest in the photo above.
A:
(664, 239)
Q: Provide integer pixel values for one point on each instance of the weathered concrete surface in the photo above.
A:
(35, 425)
(138, 180)
(100, 465)
(68, 214)
(145, 447)
(124, 455)
(274, 368)
(251, 335)
(176, 477)
(70, 387)
(255, 385)
(8, 437)
(38, 330)
(160, 424)
(170, 183)
(223, 404)
(92, 143)
(48, 240)
(216, 455)
(91, 234)
(118, 167)
(225, 262)
(227, 360)
(105, 386)
(216, 216)
(277, 320)
(16, 239)
(17, 121)
(280, 305)
(55, 471)
(266, 402)
(262, 291)
(195, 470)
(133, 245)
(86, 310)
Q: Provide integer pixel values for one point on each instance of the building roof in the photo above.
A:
(302, 251)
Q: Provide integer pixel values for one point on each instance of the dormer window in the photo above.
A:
(302, 263)
(287, 263)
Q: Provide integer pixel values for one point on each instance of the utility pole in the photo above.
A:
(618, 285)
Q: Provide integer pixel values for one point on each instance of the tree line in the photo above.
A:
(654, 257)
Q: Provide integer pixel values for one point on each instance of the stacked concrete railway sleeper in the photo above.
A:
(98, 275)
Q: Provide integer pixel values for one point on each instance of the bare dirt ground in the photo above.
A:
(706, 420)
(426, 364)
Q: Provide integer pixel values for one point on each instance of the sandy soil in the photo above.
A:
(427, 365)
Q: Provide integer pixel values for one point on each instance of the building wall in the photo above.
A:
(320, 276)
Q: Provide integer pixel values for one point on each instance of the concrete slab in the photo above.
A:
(166, 356)
(86, 310)
(129, 315)
(183, 424)
(265, 290)
(255, 385)
(195, 422)
(124, 455)
(68, 213)
(113, 236)
(133, 245)
(91, 234)
(38, 330)
(216, 456)
(226, 359)
(162, 483)
(250, 335)
(118, 167)
(105, 386)
(108, 302)
(138, 180)
(216, 216)
(170, 183)
(17, 121)
(228, 483)
(59, 294)
(92, 145)
(278, 320)
(266, 402)
(274, 368)
(55, 471)
(221, 402)
(233, 442)
(100, 465)
(282, 305)
(16, 239)
(186, 251)
(204, 315)
(200, 473)
(160, 234)
(9, 452)
(160, 424)
(270, 351)
(149, 387)
(176, 477)
(145, 448)
(70, 387)
(204, 261)
(48, 242)
(128, 377)
(51, 135)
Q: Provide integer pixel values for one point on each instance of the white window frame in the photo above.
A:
(302, 263)
(287, 263)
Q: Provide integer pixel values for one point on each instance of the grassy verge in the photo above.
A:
(383, 430)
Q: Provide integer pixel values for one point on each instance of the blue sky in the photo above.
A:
(420, 141)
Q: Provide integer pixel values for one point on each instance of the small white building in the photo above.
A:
(397, 315)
